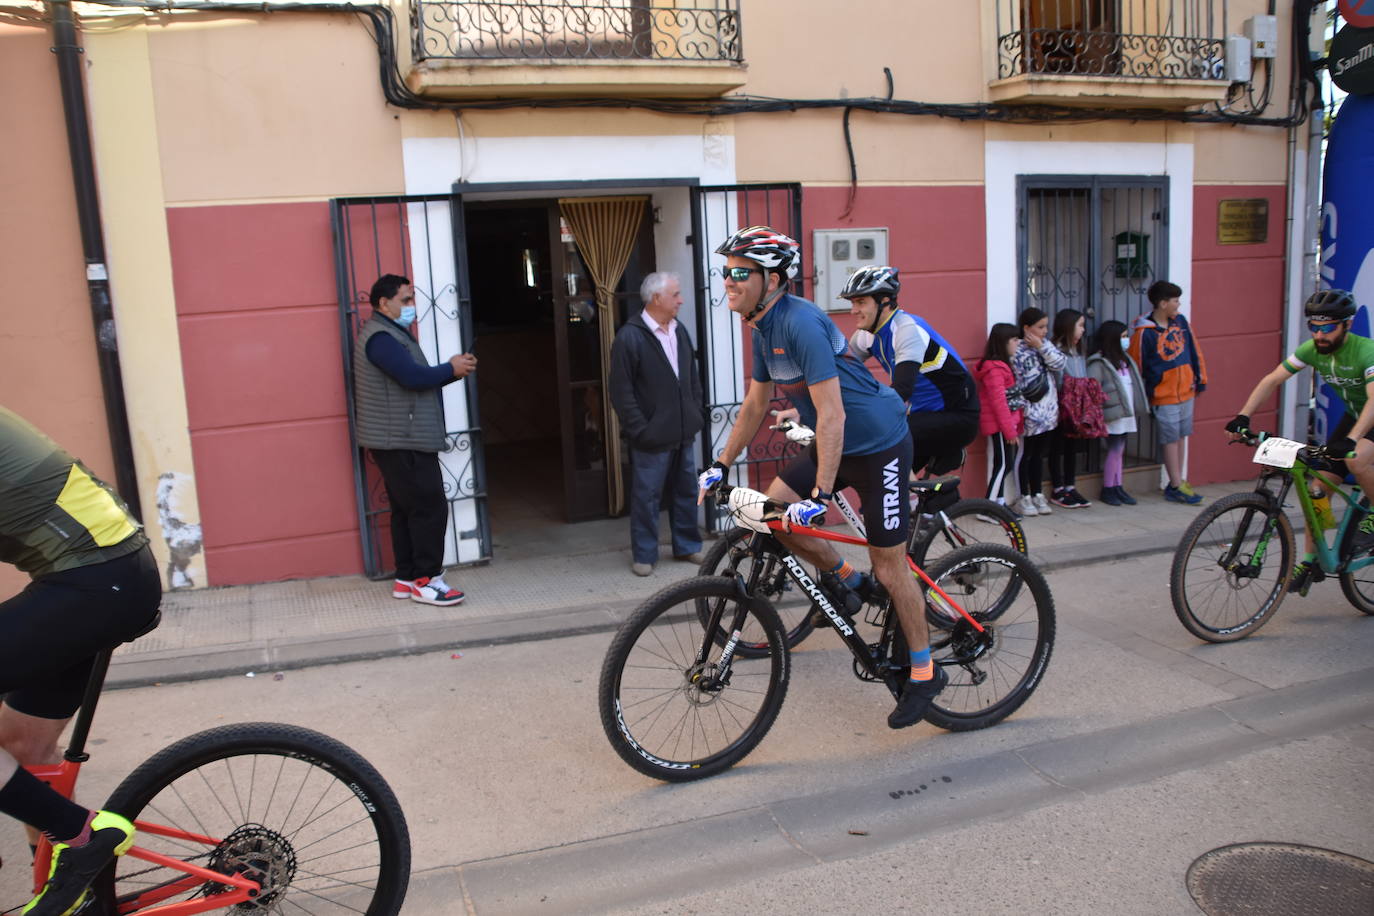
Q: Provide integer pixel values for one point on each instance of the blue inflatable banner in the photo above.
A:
(1347, 227)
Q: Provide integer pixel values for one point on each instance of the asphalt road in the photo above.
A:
(1141, 750)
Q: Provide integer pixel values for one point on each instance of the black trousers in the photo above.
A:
(419, 510)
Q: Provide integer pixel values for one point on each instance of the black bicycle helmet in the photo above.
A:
(766, 245)
(876, 280)
(1334, 304)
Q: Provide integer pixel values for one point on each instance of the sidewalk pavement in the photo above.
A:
(570, 583)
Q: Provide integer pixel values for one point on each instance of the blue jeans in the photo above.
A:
(654, 476)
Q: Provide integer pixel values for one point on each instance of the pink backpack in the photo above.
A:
(1080, 409)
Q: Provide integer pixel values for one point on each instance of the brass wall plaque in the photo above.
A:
(1243, 221)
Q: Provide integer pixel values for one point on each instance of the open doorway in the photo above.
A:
(536, 333)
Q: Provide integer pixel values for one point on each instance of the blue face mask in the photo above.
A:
(407, 316)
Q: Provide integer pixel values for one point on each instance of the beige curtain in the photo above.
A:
(605, 229)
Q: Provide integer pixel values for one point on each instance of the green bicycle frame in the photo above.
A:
(1299, 477)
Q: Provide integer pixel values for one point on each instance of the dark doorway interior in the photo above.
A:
(512, 309)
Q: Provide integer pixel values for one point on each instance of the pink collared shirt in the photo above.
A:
(667, 338)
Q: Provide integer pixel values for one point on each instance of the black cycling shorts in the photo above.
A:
(939, 437)
(51, 632)
(880, 480)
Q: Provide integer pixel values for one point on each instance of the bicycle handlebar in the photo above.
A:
(1311, 455)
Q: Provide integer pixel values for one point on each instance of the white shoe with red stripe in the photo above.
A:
(402, 588)
(435, 591)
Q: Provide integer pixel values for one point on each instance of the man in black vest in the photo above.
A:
(400, 420)
(656, 393)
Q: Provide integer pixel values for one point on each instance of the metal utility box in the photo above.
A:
(840, 252)
(1237, 66)
(1263, 32)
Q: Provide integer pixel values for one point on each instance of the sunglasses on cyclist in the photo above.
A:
(1325, 327)
(741, 274)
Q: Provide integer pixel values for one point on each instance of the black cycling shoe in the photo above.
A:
(916, 699)
(1305, 575)
(75, 867)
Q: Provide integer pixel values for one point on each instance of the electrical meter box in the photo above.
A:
(1263, 32)
(1132, 255)
(1237, 66)
(840, 252)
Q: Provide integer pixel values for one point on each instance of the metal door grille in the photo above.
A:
(420, 237)
(1094, 243)
(724, 347)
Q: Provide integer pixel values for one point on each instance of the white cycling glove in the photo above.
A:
(806, 513)
(710, 478)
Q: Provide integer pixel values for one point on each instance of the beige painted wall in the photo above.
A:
(48, 369)
(125, 134)
(268, 107)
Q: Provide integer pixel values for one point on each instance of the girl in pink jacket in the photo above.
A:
(1002, 418)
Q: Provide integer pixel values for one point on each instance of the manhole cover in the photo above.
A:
(1260, 879)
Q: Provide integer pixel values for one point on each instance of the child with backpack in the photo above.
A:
(1003, 406)
(1080, 414)
(1126, 401)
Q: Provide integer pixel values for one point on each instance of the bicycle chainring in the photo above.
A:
(259, 854)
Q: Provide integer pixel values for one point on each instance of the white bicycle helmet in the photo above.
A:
(766, 245)
(876, 280)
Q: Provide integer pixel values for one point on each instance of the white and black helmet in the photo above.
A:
(876, 280)
(766, 245)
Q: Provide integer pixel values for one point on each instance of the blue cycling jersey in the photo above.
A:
(795, 345)
(942, 380)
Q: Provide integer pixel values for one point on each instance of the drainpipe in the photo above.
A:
(69, 70)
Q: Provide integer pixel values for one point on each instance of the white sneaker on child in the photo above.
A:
(1026, 506)
(1042, 505)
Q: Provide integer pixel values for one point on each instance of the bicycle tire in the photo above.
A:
(991, 674)
(1357, 586)
(1214, 602)
(659, 706)
(965, 525)
(774, 585)
(337, 844)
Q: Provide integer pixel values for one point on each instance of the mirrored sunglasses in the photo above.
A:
(741, 274)
(1325, 327)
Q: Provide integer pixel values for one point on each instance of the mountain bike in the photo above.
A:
(679, 700)
(1234, 564)
(255, 816)
(941, 521)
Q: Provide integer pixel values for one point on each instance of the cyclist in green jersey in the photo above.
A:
(94, 585)
(1346, 362)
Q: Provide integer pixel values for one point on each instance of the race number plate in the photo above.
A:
(1277, 453)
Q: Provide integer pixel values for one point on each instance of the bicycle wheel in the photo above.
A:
(673, 715)
(992, 673)
(1357, 585)
(293, 809)
(969, 521)
(1227, 577)
(773, 584)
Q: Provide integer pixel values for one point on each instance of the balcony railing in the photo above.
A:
(1149, 39)
(617, 30)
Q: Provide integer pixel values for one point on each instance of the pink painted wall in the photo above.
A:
(1237, 316)
(258, 317)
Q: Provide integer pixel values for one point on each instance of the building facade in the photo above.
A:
(527, 163)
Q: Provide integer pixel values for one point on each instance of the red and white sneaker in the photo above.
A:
(435, 591)
(402, 588)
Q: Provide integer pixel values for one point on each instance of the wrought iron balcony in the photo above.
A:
(1143, 39)
(569, 30)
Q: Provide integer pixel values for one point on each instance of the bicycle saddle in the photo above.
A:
(934, 484)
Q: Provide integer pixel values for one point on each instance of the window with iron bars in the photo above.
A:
(621, 30)
(1159, 39)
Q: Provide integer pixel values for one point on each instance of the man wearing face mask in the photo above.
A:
(400, 420)
(940, 394)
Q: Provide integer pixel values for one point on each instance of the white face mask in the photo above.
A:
(1125, 341)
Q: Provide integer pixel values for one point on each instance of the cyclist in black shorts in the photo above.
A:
(940, 393)
(94, 585)
(861, 437)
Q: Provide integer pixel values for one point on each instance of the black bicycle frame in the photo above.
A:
(761, 545)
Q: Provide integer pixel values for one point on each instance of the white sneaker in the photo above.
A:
(1026, 506)
(1042, 505)
(402, 588)
(435, 591)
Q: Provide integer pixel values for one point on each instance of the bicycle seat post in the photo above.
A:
(81, 728)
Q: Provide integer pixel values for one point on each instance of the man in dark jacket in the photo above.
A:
(657, 396)
(400, 420)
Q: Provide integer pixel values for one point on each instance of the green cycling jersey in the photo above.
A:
(1348, 369)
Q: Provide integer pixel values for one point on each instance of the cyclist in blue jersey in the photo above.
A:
(940, 393)
(861, 437)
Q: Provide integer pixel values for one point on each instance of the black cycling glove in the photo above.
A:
(1340, 446)
(1241, 424)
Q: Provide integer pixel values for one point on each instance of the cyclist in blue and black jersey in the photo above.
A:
(940, 393)
(861, 437)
